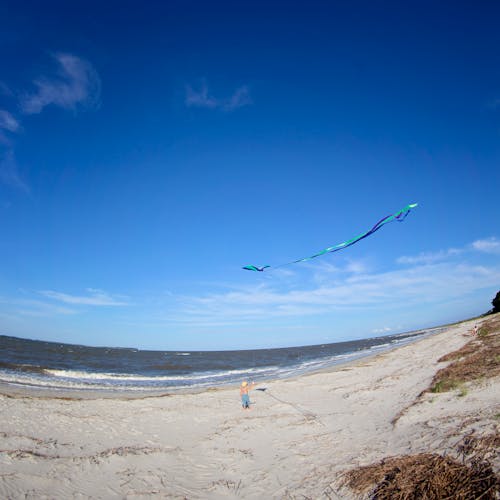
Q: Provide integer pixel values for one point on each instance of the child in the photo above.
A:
(245, 398)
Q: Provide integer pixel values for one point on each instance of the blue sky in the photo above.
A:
(149, 150)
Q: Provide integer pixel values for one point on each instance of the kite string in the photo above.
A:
(309, 415)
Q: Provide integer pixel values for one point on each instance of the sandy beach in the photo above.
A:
(299, 437)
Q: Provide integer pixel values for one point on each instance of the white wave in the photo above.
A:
(402, 341)
(379, 346)
(82, 375)
(65, 384)
(79, 375)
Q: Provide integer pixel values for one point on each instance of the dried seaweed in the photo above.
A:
(432, 476)
(475, 449)
(424, 476)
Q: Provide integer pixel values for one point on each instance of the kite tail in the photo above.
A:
(398, 216)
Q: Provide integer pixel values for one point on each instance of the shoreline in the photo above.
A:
(19, 389)
(300, 436)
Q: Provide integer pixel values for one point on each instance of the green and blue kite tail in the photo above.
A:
(398, 216)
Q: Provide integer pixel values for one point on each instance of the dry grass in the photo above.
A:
(478, 359)
(468, 349)
(430, 476)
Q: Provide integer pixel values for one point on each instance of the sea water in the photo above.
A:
(56, 366)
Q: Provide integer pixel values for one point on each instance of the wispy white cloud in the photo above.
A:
(488, 245)
(9, 173)
(241, 97)
(202, 98)
(42, 309)
(324, 271)
(95, 297)
(356, 266)
(8, 122)
(35, 308)
(76, 84)
(385, 329)
(430, 257)
(421, 284)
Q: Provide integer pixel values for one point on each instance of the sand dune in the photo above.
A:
(300, 435)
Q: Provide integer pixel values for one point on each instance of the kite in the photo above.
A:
(398, 216)
(255, 268)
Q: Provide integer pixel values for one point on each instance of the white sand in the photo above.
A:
(297, 439)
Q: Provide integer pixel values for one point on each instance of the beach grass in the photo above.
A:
(477, 360)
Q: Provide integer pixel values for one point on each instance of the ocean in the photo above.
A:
(62, 367)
